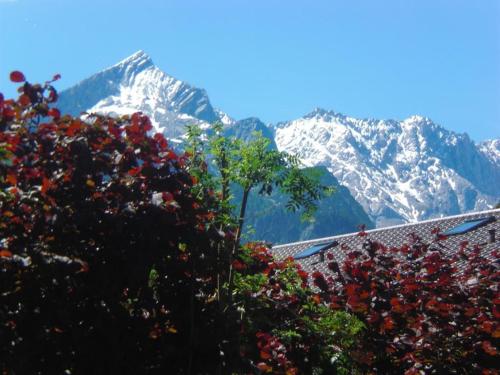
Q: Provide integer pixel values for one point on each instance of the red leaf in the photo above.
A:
(167, 196)
(364, 294)
(263, 367)
(264, 355)
(147, 124)
(487, 326)
(56, 77)
(373, 317)
(67, 176)
(470, 311)
(171, 155)
(114, 129)
(54, 112)
(303, 275)
(17, 76)
(356, 305)
(24, 100)
(134, 171)
(411, 287)
(46, 185)
(162, 142)
(238, 266)
(388, 323)
(488, 348)
(73, 128)
(5, 254)
(432, 268)
(11, 179)
(431, 305)
(351, 289)
(395, 301)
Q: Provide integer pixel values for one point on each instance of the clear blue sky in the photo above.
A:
(279, 59)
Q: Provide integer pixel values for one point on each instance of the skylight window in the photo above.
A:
(315, 249)
(468, 226)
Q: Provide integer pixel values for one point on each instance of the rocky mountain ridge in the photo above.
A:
(399, 171)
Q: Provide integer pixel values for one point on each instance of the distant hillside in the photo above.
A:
(337, 214)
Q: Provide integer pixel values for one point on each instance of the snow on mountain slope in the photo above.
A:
(400, 171)
(491, 149)
(225, 118)
(136, 84)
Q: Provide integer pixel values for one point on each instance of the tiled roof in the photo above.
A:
(398, 235)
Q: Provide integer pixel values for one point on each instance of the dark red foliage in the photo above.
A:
(106, 259)
(17, 76)
(421, 312)
(320, 281)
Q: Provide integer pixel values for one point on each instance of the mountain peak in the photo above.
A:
(321, 112)
(399, 171)
(139, 59)
(418, 119)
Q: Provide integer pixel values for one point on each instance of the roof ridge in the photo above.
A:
(465, 215)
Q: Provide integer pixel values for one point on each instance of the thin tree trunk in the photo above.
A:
(224, 195)
(241, 221)
(222, 300)
(224, 180)
(221, 330)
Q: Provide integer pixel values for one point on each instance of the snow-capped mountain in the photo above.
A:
(136, 84)
(491, 149)
(400, 171)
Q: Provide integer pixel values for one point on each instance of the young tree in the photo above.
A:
(256, 165)
(253, 165)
